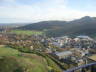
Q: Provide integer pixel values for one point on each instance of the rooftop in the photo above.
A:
(83, 36)
(63, 53)
(93, 57)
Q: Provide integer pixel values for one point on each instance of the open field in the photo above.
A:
(32, 63)
(38, 63)
(7, 51)
(11, 59)
(15, 61)
(27, 32)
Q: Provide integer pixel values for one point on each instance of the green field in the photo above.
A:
(12, 60)
(7, 51)
(38, 63)
(27, 32)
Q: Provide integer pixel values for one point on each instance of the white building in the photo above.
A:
(64, 54)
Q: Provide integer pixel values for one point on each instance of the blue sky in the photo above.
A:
(41, 10)
(85, 5)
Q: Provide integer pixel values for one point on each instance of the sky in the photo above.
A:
(21, 11)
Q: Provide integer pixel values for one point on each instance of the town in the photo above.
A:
(76, 51)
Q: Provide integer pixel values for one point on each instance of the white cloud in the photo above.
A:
(7, 1)
(47, 10)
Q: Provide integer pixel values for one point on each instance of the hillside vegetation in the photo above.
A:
(7, 51)
(27, 32)
(84, 26)
(12, 60)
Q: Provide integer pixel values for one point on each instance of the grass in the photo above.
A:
(27, 32)
(7, 51)
(23, 64)
(14, 60)
(38, 63)
(51, 64)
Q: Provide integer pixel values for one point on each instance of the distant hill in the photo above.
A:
(85, 26)
(43, 25)
(10, 25)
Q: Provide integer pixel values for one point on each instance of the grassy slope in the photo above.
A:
(13, 60)
(27, 32)
(6, 51)
(39, 64)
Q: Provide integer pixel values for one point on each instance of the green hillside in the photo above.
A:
(84, 26)
(12, 60)
(27, 32)
(7, 51)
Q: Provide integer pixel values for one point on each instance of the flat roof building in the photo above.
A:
(63, 54)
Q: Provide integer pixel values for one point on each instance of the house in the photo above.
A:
(63, 55)
(84, 37)
(48, 50)
(80, 52)
(31, 47)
